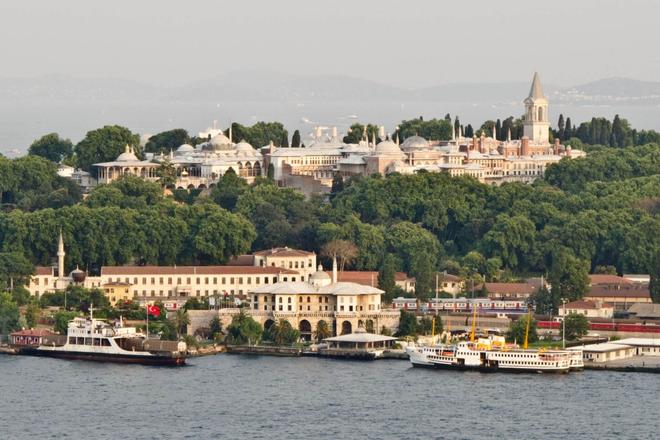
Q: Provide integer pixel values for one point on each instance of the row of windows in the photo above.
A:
(197, 292)
(102, 342)
(198, 280)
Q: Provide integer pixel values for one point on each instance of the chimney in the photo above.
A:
(334, 269)
(524, 146)
(474, 142)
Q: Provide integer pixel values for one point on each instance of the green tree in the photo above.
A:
(166, 173)
(61, 320)
(337, 184)
(181, 322)
(407, 324)
(576, 325)
(215, 328)
(295, 140)
(14, 269)
(386, 277)
(568, 276)
(271, 172)
(32, 313)
(167, 141)
(282, 333)
(104, 145)
(9, 314)
(52, 147)
(518, 328)
(243, 330)
(322, 331)
(228, 189)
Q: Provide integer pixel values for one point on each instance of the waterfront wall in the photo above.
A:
(384, 318)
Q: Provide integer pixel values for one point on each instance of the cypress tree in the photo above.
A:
(271, 171)
(285, 141)
(561, 128)
(569, 129)
(295, 140)
(498, 130)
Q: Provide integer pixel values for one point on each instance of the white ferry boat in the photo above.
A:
(96, 340)
(490, 355)
(577, 358)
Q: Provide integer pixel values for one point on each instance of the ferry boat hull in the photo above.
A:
(142, 359)
(468, 356)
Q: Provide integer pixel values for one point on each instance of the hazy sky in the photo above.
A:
(406, 43)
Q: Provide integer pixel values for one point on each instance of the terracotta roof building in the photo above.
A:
(590, 309)
(508, 291)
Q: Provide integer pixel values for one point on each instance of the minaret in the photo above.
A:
(508, 135)
(334, 269)
(536, 126)
(494, 133)
(60, 257)
(231, 140)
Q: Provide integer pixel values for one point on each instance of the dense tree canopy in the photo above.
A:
(104, 145)
(167, 141)
(433, 129)
(31, 182)
(51, 147)
(260, 134)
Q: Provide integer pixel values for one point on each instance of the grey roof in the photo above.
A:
(643, 310)
(536, 92)
(301, 287)
(360, 337)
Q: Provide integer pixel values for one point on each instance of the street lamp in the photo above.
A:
(563, 323)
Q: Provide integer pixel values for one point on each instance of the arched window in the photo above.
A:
(540, 114)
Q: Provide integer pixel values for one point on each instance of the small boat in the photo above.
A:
(96, 340)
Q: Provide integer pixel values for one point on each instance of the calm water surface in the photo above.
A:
(229, 396)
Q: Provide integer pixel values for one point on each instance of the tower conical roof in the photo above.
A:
(536, 91)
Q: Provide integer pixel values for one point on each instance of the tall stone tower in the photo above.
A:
(60, 257)
(536, 126)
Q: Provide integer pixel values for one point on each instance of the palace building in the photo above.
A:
(484, 158)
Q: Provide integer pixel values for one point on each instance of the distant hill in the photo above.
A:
(68, 88)
(620, 87)
(266, 86)
(262, 85)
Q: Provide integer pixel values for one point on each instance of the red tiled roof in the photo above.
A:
(33, 332)
(283, 252)
(194, 270)
(450, 277)
(509, 288)
(43, 270)
(597, 278)
(611, 291)
(586, 305)
(365, 277)
(242, 260)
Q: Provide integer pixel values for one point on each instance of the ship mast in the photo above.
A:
(474, 320)
(529, 319)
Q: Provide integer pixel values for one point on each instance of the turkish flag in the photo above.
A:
(153, 311)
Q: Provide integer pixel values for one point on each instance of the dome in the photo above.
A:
(388, 147)
(415, 143)
(320, 278)
(78, 275)
(127, 156)
(219, 140)
(243, 146)
(185, 148)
